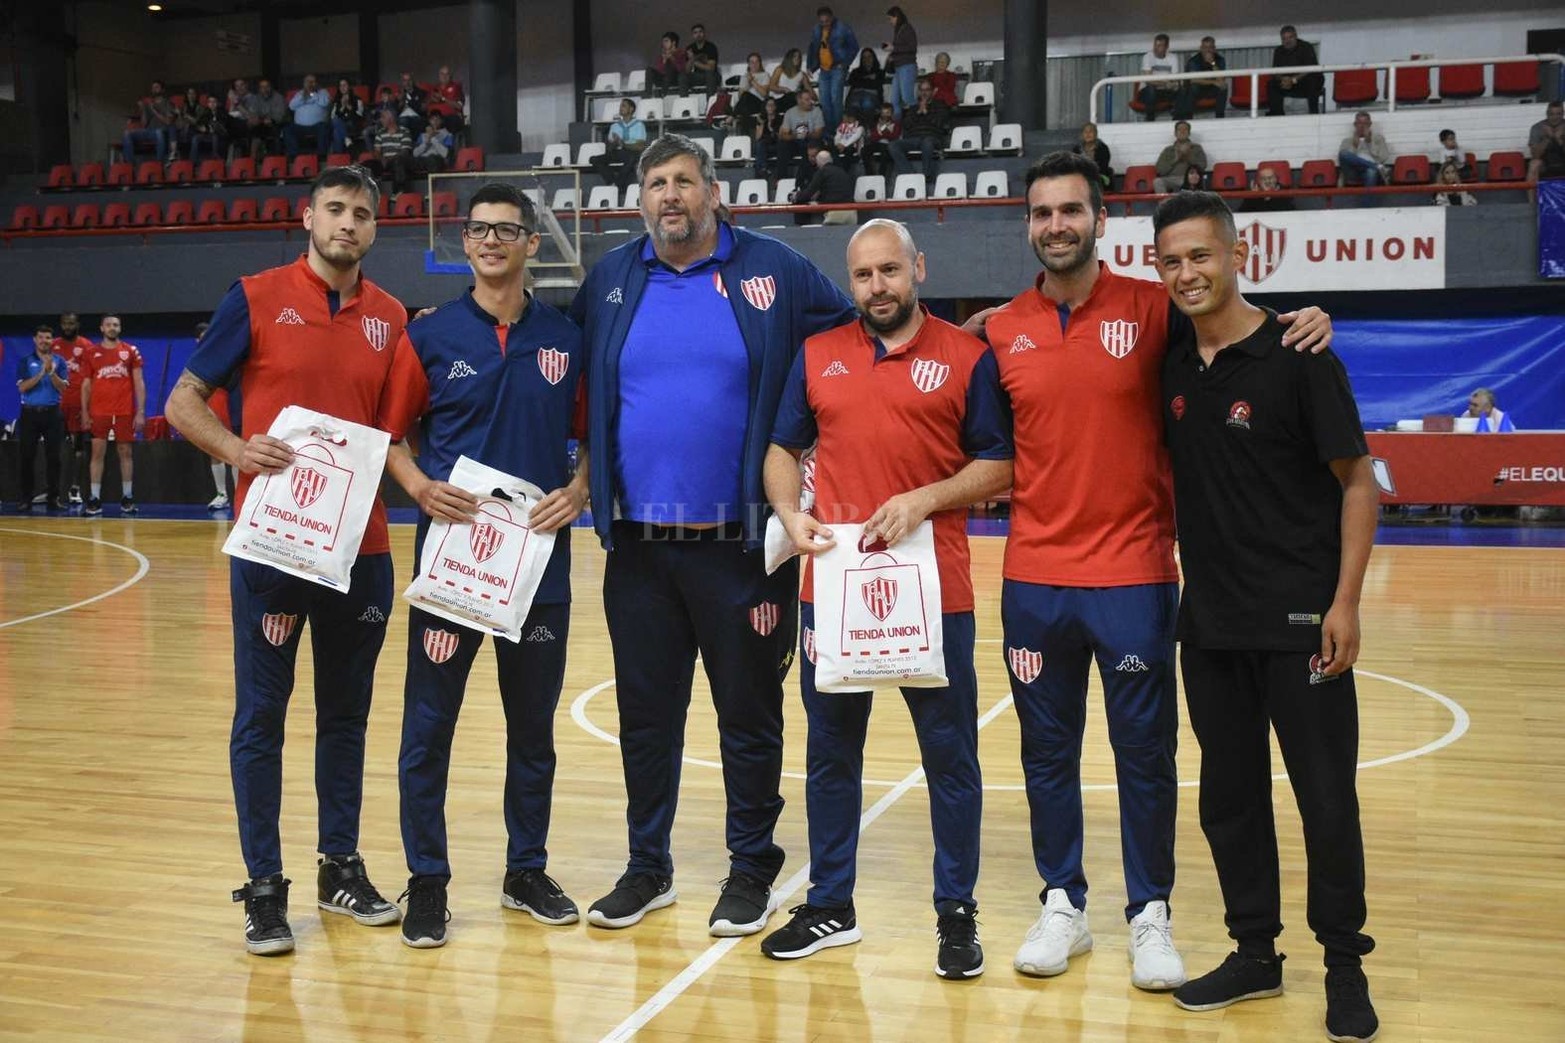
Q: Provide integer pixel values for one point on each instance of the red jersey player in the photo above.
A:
(113, 401)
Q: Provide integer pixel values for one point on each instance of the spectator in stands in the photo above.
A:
(942, 81)
(804, 125)
(40, 382)
(387, 102)
(155, 113)
(1094, 149)
(767, 148)
(1191, 92)
(236, 114)
(1546, 145)
(1451, 152)
(1490, 420)
(924, 127)
(1266, 181)
(625, 139)
(1294, 52)
(887, 128)
(832, 49)
(701, 71)
(446, 98)
(435, 146)
(1194, 179)
(753, 89)
(411, 99)
(902, 61)
(347, 118)
(1364, 154)
(393, 152)
(847, 144)
(311, 108)
(197, 126)
(788, 79)
(265, 118)
(1451, 192)
(1177, 157)
(829, 183)
(667, 72)
(1159, 61)
(866, 87)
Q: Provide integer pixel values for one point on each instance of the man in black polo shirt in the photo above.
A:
(1276, 507)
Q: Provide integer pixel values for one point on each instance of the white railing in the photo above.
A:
(1254, 75)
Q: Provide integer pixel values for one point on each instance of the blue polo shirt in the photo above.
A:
(43, 393)
(684, 387)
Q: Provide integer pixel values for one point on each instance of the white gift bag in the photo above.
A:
(309, 518)
(485, 573)
(877, 613)
(776, 545)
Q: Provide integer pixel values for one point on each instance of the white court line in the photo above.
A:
(718, 949)
(141, 570)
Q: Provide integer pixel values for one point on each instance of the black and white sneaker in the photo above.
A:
(266, 915)
(534, 892)
(424, 924)
(75, 497)
(94, 506)
(811, 930)
(128, 505)
(743, 908)
(344, 887)
(634, 896)
(1238, 978)
(956, 932)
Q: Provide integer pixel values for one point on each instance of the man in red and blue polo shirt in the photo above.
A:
(113, 403)
(316, 334)
(909, 423)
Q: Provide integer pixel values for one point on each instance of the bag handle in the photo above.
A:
(329, 434)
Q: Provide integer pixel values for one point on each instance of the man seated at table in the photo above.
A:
(1490, 420)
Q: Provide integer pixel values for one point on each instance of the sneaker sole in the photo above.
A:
(391, 915)
(662, 901)
(274, 947)
(1352, 1039)
(423, 943)
(831, 941)
(506, 901)
(959, 975)
(1259, 994)
(1154, 984)
(729, 929)
(1039, 970)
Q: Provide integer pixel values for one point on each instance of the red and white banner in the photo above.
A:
(1392, 248)
(1470, 469)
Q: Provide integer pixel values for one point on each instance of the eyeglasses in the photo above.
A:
(503, 231)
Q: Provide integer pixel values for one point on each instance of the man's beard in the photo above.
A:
(1071, 262)
(897, 320)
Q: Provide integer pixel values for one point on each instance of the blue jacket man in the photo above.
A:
(691, 331)
(831, 77)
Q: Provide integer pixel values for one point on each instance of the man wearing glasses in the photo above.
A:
(495, 376)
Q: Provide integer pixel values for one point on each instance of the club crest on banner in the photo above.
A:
(880, 596)
(376, 331)
(307, 486)
(485, 539)
(1025, 664)
(440, 645)
(1266, 250)
(760, 291)
(277, 628)
(1119, 336)
(764, 617)
(928, 374)
(807, 639)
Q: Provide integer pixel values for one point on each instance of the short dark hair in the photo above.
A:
(352, 177)
(823, 9)
(1288, 29)
(1209, 39)
(672, 37)
(1187, 206)
(1067, 164)
(699, 26)
(44, 328)
(507, 194)
(1160, 36)
(1448, 133)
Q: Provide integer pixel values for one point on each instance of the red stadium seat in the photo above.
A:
(365, 157)
(244, 211)
(305, 165)
(90, 174)
(149, 172)
(86, 215)
(1239, 95)
(339, 159)
(1228, 177)
(470, 158)
(147, 214)
(383, 209)
(300, 205)
(363, 92)
(1411, 170)
(212, 212)
(116, 215)
(1318, 173)
(1138, 180)
(408, 204)
(1280, 168)
(1507, 166)
(181, 171)
(445, 204)
(210, 170)
(241, 169)
(274, 208)
(56, 216)
(1355, 87)
(1461, 81)
(1515, 79)
(1412, 85)
(273, 168)
(62, 175)
(180, 212)
(121, 174)
(24, 217)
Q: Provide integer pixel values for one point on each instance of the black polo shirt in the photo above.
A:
(1259, 511)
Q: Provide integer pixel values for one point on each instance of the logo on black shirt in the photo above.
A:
(1177, 407)
(1318, 673)
(1239, 415)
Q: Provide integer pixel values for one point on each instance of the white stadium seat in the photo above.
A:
(603, 197)
(751, 192)
(686, 106)
(784, 189)
(707, 145)
(869, 189)
(725, 192)
(632, 197)
(991, 184)
(736, 149)
(1005, 138)
(950, 186)
(587, 151)
(908, 186)
(607, 110)
(649, 110)
(565, 199)
(965, 141)
(605, 83)
(635, 81)
(977, 95)
(558, 155)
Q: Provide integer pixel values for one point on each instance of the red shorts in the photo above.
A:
(123, 426)
(73, 418)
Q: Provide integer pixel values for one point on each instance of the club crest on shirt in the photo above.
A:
(376, 331)
(807, 640)
(880, 596)
(760, 291)
(764, 617)
(1119, 336)
(440, 645)
(1318, 673)
(1239, 415)
(1266, 250)
(928, 374)
(1025, 664)
(553, 364)
(277, 628)
(307, 486)
(1177, 407)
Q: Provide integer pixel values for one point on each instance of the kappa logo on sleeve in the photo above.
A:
(460, 369)
(277, 628)
(616, 296)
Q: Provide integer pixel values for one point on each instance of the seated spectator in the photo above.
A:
(393, 152)
(788, 79)
(347, 119)
(311, 107)
(767, 147)
(1451, 192)
(236, 114)
(1177, 157)
(1451, 152)
(1266, 181)
(753, 88)
(1294, 52)
(866, 87)
(1363, 154)
(410, 105)
(847, 145)
(943, 81)
(434, 147)
(1194, 179)
(828, 184)
(156, 116)
(625, 139)
(1158, 61)
(1094, 149)
(1490, 420)
(887, 128)
(1546, 145)
(802, 126)
(667, 72)
(925, 127)
(197, 126)
(1191, 92)
(701, 71)
(267, 115)
(446, 98)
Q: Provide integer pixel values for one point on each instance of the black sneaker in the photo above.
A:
(1350, 1017)
(344, 887)
(811, 930)
(266, 915)
(424, 924)
(743, 907)
(634, 895)
(1239, 978)
(956, 930)
(534, 892)
(94, 506)
(128, 505)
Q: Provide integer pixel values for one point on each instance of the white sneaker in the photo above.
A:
(218, 502)
(1060, 933)
(1155, 963)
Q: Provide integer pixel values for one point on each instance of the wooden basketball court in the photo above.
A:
(118, 847)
